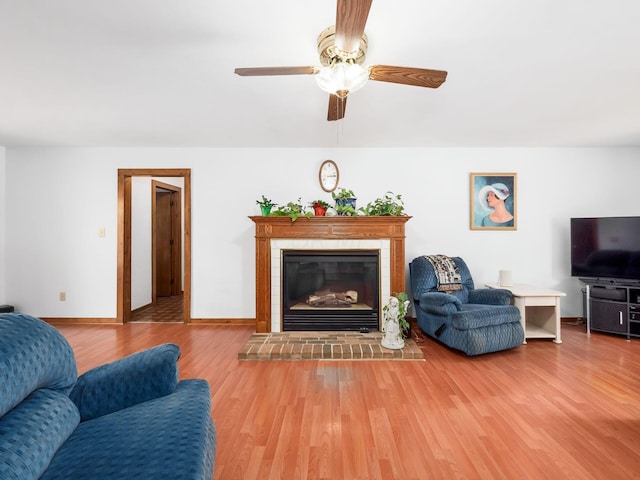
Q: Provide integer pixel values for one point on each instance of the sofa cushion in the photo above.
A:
(170, 437)
(478, 316)
(133, 379)
(33, 355)
(32, 432)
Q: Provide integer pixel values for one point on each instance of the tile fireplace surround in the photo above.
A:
(274, 234)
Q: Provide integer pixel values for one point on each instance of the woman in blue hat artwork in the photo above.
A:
(492, 198)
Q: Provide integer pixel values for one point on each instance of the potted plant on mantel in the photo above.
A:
(293, 210)
(265, 205)
(319, 207)
(345, 205)
(345, 202)
(389, 205)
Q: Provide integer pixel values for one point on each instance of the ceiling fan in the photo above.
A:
(342, 50)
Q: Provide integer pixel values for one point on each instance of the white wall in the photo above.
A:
(58, 198)
(141, 291)
(2, 225)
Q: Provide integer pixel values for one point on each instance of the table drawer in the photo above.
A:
(540, 301)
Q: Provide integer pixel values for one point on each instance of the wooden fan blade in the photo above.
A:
(419, 77)
(337, 107)
(260, 71)
(351, 17)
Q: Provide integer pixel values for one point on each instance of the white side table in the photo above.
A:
(539, 310)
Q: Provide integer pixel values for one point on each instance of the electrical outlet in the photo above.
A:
(63, 296)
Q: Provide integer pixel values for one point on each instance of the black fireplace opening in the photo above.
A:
(327, 290)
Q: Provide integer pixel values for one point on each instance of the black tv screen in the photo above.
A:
(606, 248)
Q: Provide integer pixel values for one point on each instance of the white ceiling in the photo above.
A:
(160, 73)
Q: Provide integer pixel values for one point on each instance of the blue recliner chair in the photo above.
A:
(473, 320)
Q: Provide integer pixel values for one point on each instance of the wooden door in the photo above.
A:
(166, 243)
(164, 274)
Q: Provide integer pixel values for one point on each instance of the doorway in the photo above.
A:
(123, 294)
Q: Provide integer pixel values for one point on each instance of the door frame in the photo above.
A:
(123, 288)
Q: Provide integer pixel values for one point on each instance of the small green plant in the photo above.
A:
(293, 210)
(403, 298)
(265, 205)
(265, 202)
(389, 205)
(346, 210)
(343, 194)
(345, 202)
(322, 203)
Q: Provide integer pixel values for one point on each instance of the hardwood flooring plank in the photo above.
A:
(539, 411)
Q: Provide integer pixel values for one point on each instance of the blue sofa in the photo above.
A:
(129, 419)
(473, 320)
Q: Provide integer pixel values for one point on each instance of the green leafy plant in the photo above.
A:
(322, 203)
(405, 328)
(345, 202)
(265, 202)
(388, 205)
(265, 205)
(346, 210)
(293, 210)
(343, 194)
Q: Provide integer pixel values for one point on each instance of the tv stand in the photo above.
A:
(613, 308)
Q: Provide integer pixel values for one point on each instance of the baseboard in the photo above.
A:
(71, 321)
(572, 320)
(114, 321)
(142, 308)
(223, 321)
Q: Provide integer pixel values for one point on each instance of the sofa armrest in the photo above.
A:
(133, 379)
(439, 303)
(490, 296)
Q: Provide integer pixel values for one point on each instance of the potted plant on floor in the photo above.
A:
(319, 207)
(265, 205)
(345, 202)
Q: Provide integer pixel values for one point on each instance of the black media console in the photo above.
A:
(614, 308)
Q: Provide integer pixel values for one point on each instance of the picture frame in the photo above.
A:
(493, 201)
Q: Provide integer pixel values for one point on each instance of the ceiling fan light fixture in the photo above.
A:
(342, 77)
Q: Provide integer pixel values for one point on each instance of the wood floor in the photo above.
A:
(538, 411)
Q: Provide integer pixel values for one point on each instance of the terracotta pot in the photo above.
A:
(319, 210)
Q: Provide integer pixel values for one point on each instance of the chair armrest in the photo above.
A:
(439, 303)
(133, 379)
(490, 296)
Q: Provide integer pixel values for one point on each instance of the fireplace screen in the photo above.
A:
(330, 290)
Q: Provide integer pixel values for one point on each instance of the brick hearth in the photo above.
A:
(325, 345)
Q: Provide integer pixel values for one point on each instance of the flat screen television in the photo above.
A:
(606, 248)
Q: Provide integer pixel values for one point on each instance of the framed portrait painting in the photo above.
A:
(493, 201)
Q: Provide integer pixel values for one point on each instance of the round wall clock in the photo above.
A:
(329, 175)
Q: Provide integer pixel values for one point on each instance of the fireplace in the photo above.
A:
(276, 235)
(330, 290)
